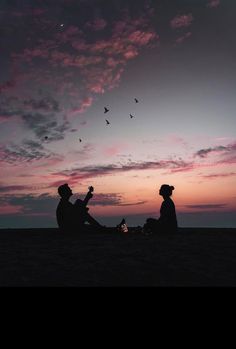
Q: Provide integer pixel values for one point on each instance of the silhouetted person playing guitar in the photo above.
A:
(74, 216)
(167, 222)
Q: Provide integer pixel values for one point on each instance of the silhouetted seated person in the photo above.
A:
(72, 217)
(167, 223)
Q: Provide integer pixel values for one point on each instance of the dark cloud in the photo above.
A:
(12, 188)
(21, 211)
(45, 205)
(134, 203)
(47, 104)
(205, 152)
(9, 107)
(219, 175)
(39, 115)
(206, 206)
(228, 152)
(111, 200)
(31, 204)
(13, 153)
(106, 200)
(27, 151)
(46, 125)
(97, 171)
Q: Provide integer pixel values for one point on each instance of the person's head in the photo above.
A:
(65, 191)
(166, 190)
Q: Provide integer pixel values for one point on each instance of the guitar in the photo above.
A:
(82, 204)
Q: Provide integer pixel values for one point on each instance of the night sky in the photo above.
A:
(63, 61)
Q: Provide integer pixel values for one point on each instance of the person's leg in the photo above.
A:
(92, 221)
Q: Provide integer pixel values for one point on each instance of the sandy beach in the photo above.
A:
(46, 257)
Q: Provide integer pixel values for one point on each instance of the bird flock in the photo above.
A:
(106, 110)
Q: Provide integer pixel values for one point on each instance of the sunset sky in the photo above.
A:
(63, 61)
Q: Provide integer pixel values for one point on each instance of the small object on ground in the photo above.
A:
(122, 227)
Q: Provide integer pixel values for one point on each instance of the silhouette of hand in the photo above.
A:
(90, 195)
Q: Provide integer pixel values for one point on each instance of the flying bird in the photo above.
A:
(46, 137)
(108, 123)
(80, 140)
(136, 101)
(106, 110)
(131, 116)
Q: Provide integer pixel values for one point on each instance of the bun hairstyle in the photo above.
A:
(171, 188)
(167, 189)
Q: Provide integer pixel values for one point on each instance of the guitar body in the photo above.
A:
(82, 205)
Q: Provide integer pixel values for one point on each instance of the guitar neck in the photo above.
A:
(86, 200)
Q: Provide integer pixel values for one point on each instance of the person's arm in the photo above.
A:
(87, 198)
(83, 203)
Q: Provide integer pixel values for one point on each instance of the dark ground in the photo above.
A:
(46, 257)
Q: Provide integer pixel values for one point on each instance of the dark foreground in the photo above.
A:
(46, 257)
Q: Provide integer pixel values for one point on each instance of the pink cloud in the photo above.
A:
(131, 53)
(213, 3)
(79, 44)
(67, 35)
(6, 86)
(3, 119)
(114, 149)
(37, 11)
(181, 21)
(83, 173)
(142, 38)
(85, 104)
(175, 139)
(68, 60)
(97, 24)
(49, 162)
(7, 209)
(118, 49)
(113, 63)
(100, 80)
(29, 12)
(219, 175)
(100, 63)
(30, 54)
(181, 39)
